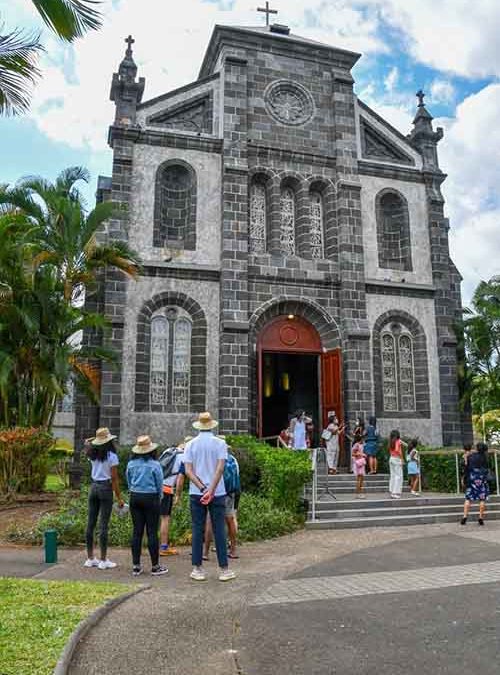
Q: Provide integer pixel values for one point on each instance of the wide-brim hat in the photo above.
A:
(144, 445)
(205, 422)
(332, 413)
(102, 436)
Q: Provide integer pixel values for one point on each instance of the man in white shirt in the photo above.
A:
(204, 460)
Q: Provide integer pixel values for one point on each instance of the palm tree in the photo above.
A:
(68, 19)
(50, 259)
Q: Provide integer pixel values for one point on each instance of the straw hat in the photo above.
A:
(102, 436)
(144, 445)
(205, 422)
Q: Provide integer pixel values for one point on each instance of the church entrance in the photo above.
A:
(294, 372)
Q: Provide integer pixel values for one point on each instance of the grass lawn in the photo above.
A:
(37, 618)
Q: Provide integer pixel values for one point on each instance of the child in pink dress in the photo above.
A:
(359, 464)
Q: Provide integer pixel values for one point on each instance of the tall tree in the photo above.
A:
(49, 258)
(19, 50)
(482, 342)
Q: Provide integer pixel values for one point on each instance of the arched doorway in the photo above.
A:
(295, 372)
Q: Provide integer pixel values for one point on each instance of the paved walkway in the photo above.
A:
(420, 599)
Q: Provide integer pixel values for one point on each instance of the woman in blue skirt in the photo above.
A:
(477, 482)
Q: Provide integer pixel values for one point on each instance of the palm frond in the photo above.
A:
(69, 19)
(66, 179)
(18, 70)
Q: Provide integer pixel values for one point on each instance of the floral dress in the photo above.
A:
(478, 488)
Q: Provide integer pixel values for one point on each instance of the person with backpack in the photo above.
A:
(232, 484)
(172, 464)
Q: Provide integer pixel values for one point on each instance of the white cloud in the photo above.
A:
(457, 36)
(391, 80)
(168, 51)
(469, 154)
(442, 91)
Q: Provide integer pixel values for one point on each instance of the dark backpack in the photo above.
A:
(231, 476)
(167, 461)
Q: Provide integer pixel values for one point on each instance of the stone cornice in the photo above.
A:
(261, 151)
(377, 287)
(180, 271)
(328, 280)
(368, 168)
(180, 90)
(137, 134)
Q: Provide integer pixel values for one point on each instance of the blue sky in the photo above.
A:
(450, 49)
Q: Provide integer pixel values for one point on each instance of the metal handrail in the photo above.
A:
(314, 465)
(456, 452)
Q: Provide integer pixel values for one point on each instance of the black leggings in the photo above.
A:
(100, 502)
(145, 511)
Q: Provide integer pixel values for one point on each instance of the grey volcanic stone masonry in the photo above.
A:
(447, 311)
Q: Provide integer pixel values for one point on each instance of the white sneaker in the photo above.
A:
(106, 564)
(198, 574)
(91, 562)
(227, 575)
(414, 492)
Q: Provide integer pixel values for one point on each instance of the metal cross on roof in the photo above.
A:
(420, 95)
(130, 41)
(267, 11)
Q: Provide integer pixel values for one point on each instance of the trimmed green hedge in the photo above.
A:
(276, 473)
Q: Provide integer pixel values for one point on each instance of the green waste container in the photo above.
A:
(50, 542)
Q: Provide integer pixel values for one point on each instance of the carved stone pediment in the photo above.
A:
(375, 145)
(194, 115)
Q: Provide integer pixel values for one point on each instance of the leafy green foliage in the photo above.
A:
(258, 518)
(24, 460)
(37, 618)
(49, 258)
(281, 473)
(69, 19)
(18, 71)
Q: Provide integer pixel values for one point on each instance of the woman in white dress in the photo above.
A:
(331, 437)
(298, 430)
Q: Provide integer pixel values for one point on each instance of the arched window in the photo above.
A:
(258, 217)
(181, 362)
(287, 221)
(317, 225)
(159, 360)
(398, 372)
(175, 207)
(393, 232)
(170, 364)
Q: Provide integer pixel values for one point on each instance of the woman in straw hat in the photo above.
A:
(145, 483)
(101, 453)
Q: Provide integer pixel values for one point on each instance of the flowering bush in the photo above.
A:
(24, 460)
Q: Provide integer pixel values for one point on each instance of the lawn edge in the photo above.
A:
(86, 625)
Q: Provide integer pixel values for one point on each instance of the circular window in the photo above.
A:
(289, 102)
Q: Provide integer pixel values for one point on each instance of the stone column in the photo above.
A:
(233, 378)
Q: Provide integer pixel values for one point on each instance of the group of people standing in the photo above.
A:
(155, 485)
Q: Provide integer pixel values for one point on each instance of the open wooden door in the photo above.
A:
(331, 388)
(259, 392)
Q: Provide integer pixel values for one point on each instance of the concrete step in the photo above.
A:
(341, 477)
(384, 501)
(399, 519)
(342, 514)
(351, 489)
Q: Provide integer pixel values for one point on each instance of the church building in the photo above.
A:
(294, 246)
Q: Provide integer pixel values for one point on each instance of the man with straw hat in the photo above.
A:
(204, 459)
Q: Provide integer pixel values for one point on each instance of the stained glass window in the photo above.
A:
(398, 373)
(181, 362)
(287, 229)
(389, 373)
(406, 374)
(258, 213)
(159, 360)
(316, 225)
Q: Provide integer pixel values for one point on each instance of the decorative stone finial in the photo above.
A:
(130, 41)
(420, 95)
(126, 90)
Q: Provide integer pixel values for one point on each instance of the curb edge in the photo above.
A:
(64, 662)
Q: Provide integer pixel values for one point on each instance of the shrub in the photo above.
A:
(24, 459)
(258, 519)
(282, 473)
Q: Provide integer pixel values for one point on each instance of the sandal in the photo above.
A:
(233, 556)
(204, 557)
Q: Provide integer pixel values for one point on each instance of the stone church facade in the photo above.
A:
(294, 247)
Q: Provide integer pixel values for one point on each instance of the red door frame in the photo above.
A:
(297, 336)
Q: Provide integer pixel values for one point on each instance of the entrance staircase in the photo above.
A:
(377, 509)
